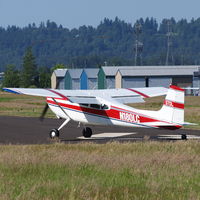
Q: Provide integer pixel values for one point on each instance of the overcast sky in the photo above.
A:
(74, 13)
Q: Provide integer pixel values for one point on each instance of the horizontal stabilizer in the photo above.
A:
(189, 124)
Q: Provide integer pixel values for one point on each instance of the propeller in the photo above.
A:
(44, 112)
(46, 106)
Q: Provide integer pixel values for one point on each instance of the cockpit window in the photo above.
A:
(104, 107)
(96, 106)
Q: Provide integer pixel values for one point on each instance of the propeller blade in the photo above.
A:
(46, 106)
(44, 112)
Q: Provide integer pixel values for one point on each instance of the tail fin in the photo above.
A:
(173, 106)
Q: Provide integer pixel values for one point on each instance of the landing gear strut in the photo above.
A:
(87, 132)
(54, 133)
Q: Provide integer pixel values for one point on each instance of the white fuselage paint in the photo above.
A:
(127, 116)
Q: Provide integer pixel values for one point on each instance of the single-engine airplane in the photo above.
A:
(107, 107)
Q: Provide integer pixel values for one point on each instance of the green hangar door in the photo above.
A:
(133, 82)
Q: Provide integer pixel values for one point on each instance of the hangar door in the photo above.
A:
(110, 82)
(92, 83)
(133, 82)
(160, 81)
(75, 84)
(61, 82)
(196, 82)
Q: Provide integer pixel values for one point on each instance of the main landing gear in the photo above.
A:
(54, 133)
(87, 132)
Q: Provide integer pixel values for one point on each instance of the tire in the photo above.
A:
(54, 133)
(184, 137)
(87, 132)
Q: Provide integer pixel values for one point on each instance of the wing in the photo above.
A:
(76, 96)
(130, 95)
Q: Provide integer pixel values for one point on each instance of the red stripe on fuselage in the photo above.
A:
(123, 115)
(140, 93)
(173, 104)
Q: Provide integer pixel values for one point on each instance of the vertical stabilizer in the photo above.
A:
(173, 106)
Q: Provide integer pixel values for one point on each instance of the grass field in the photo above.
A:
(143, 170)
(22, 105)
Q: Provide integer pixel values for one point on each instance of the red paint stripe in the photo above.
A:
(112, 113)
(59, 94)
(176, 88)
(173, 104)
(140, 93)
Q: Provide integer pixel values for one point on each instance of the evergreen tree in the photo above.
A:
(29, 77)
(57, 66)
(11, 77)
(44, 77)
(89, 46)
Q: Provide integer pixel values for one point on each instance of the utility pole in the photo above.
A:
(138, 46)
(169, 35)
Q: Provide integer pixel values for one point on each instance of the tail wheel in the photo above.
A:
(184, 137)
(87, 132)
(54, 133)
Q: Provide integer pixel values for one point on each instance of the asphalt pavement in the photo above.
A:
(21, 130)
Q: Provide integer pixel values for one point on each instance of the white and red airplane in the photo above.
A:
(107, 107)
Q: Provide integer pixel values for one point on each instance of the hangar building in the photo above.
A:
(89, 78)
(106, 76)
(127, 77)
(196, 79)
(72, 79)
(154, 76)
(57, 78)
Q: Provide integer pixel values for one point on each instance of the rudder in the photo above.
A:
(173, 106)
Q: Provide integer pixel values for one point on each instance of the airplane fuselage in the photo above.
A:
(115, 114)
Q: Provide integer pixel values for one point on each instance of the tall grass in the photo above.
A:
(145, 170)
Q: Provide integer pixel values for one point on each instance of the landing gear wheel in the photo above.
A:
(87, 132)
(54, 133)
(184, 137)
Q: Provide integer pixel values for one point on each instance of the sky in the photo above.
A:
(75, 13)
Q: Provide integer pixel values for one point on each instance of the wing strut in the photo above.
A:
(61, 108)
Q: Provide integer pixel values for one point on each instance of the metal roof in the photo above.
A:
(92, 72)
(75, 73)
(60, 72)
(158, 71)
(112, 70)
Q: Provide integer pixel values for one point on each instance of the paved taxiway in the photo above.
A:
(20, 130)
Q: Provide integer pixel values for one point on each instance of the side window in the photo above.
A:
(96, 106)
(104, 107)
(84, 104)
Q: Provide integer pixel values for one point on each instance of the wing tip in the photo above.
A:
(10, 90)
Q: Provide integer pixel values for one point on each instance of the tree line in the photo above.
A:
(29, 75)
(111, 42)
